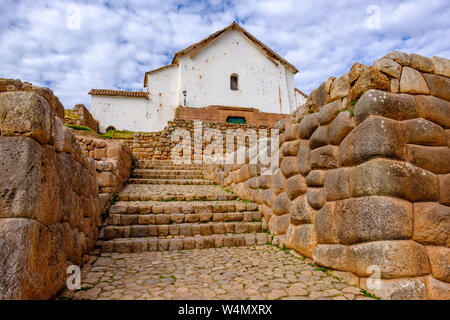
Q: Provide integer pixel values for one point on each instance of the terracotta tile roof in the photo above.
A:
(120, 93)
(306, 96)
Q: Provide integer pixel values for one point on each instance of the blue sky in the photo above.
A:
(73, 46)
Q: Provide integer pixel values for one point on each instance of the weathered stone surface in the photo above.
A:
(439, 86)
(301, 212)
(395, 85)
(289, 166)
(385, 104)
(290, 148)
(319, 138)
(295, 186)
(340, 127)
(440, 262)
(444, 190)
(421, 63)
(316, 178)
(437, 290)
(318, 97)
(336, 184)
(434, 159)
(388, 66)
(413, 82)
(33, 264)
(325, 157)
(372, 218)
(375, 136)
(431, 224)
(441, 66)
(265, 181)
(340, 87)
(309, 123)
(28, 114)
(59, 135)
(316, 197)
(398, 56)
(355, 71)
(106, 179)
(396, 259)
(333, 256)
(393, 178)
(304, 240)
(328, 112)
(281, 204)
(325, 224)
(278, 182)
(303, 157)
(291, 132)
(423, 132)
(278, 224)
(369, 79)
(434, 109)
(396, 289)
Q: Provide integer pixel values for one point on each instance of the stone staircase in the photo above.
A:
(172, 207)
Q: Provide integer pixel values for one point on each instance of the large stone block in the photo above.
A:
(393, 178)
(304, 240)
(316, 197)
(318, 97)
(336, 184)
(431, 224)
(441, 66)
(355, 72)
(400, 57)
(291, 132)
(326, 157)
(303, 157)
(290, 148)
(440, 262)
(265, 181)
(295, 186)
(369, 79)
(437, 290)
(325, 224)
(281, 204)
(289, 166)
(424, 132)
(421, 63)
(396, 289)
(316, 178)
(308, 125)
(376, 136)
(434, 109)
(278, 224)
(434, 159)
(301, 212)
(340, 87)
(389, 67)
(412, 82)
(340, 127)
(278, 182)
(439, 86)
(319, 137)
(334, 256)
(33, 262)
(396, 259)
(385, 104)
(28, 114)
(444, 190)
(329, 111)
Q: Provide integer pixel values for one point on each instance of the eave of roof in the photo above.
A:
(306, 96)
(157, 70)
(118, 93)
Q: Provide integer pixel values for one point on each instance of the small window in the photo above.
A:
(234, 82)
(236, 120)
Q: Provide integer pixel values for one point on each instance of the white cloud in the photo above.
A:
(119, 40)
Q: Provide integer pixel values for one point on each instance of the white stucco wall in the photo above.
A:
(126, 113)
(262, 83)
(300, 99)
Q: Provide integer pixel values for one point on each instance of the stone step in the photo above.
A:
(146, 192)
(170, 181)
(166, 176)
(180, 229)
(128, 245)
(169, 166)
(179, 218)
(169, 172)
(175, 207)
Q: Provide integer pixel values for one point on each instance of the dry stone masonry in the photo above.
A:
(364, 176)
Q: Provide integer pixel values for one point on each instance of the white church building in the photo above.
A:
(229, 76)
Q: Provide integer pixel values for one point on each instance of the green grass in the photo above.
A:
(369, 295)
(353, 103)
(80, 128)
(117, 134)
(114, 199)
(310, 110)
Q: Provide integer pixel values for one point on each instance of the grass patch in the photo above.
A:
(114, 199)
(69, 114)
(369, 295)
(310, 110)
(353, 103)
(79, 128)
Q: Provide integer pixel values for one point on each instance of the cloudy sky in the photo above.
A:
(73, 46)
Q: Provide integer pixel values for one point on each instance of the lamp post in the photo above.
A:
(184, 94)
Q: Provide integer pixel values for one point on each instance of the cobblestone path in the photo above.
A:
(175, 235)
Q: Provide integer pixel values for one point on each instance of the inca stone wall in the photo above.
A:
(50, 205)
(364, 177)
(81, 116)
(159, 145)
